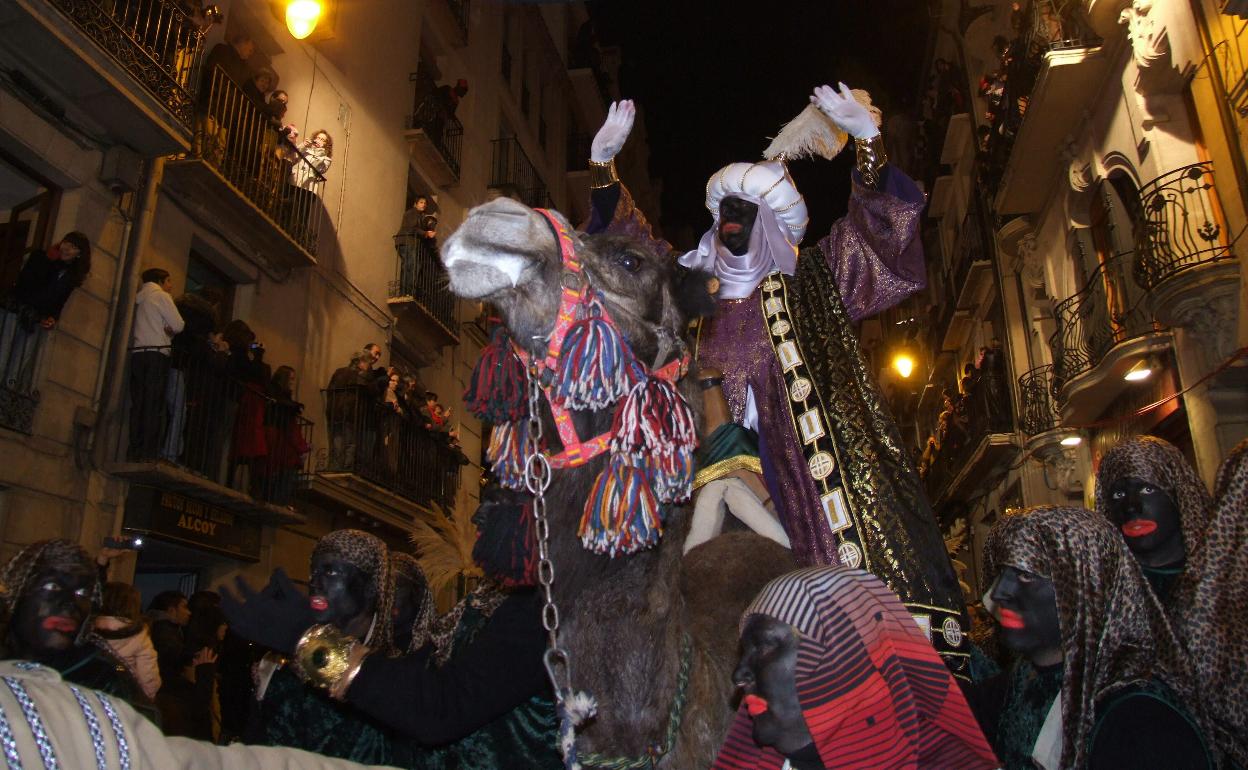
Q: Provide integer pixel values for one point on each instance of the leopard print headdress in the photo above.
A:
(21, 569)
(369, 554)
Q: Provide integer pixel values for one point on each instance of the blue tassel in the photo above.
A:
(595, 366)
(621, 515)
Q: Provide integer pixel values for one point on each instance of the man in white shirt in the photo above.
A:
(156, 320)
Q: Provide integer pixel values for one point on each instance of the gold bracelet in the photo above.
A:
(323, 655)
(602, 174)
(871, 159)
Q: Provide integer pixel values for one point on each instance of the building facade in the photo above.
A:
(134, 124)
(1084, 167)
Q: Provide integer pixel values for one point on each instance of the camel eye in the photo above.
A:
(628, 261)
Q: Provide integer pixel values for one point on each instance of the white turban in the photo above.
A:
(777, 231)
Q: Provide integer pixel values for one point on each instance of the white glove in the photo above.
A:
(845, 111)
(614, 132)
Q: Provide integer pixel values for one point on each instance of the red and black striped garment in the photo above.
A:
(874, 692)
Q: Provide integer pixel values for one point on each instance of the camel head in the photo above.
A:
(507, 254)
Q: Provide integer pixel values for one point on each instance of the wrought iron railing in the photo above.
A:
(1105, 312)
(421, 276)
(156, 41)
(578, 151)
(1183, 225)
(389, 447)
(983, 408)
(973, 245)
(1047, 26)
(21, 342)
(240, 139)
(213, 414)
(514, 174)
(443, 129)
(1038, 393)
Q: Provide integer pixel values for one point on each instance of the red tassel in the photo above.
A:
(496, 389)
(655, 426)
(621, 514)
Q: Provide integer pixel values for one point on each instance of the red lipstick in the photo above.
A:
(754, 705)
(1010, 618)
(59, 623)
(318, 603)
(731, 227)
(1139, 528)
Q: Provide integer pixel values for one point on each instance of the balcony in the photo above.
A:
(419, 298)
(591, 79)
(242, 173)
(1054, 68)
(1101, 330)
(978, 436)
(1037, 390)
(21, 343)
(514, 175)
(122, 69)
(971, 277)
(1184, 227)
(212, 436)
(435, 139)
(381, 462)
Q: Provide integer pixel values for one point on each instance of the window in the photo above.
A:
(27, 206)
(201, 276)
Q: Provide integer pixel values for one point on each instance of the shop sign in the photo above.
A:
(178, 517)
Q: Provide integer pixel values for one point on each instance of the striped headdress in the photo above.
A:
(874, 692)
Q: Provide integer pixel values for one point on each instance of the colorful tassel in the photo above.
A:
(656, 427)
(621, 515)
(595, 366)
(506, 453)
(496, 390)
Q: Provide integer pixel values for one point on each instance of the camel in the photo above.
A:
(628, 622)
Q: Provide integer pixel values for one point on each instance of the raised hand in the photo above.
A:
(275, 617)
(614, 132)
(845, 111)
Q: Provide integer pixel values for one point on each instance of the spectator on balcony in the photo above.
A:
(192, 347)
(231, 58)
(434, 417)
(421, 219)
(315, 155)
(264, 80)
(449, 97)
(276, 106)
(121, 624)
(347, 402)
(156, 321)
(284, 440)
(247, 368)
(48, 278)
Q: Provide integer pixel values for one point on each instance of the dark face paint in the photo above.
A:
(1148, 519)
(767, 676)
(50, 614)
(408, 595)
(1027, 611)
(339, 592)
(736, 222)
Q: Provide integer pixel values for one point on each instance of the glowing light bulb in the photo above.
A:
(302, 16)
(904, 365)
(1071, 441)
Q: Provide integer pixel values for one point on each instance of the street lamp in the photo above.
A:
(1141, 370)
(903, 364)
(302, 16)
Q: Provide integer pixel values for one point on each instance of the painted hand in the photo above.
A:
(845, 111)
(614, 132)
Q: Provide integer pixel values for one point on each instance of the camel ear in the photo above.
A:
(692, 293)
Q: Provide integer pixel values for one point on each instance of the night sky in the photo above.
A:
(717, 79)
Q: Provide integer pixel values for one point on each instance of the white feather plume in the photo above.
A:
(813, 133)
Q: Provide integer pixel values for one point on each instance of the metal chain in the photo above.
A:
(537, 474)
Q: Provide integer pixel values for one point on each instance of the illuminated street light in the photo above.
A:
(302, 16)
(1071, 441)
(903, 363)
(1141, 370)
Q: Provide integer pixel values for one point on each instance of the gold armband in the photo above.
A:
(871, 159)
(602, 174)
(323, 655)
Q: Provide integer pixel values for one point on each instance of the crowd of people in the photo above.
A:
(980, 403)
(202, 395)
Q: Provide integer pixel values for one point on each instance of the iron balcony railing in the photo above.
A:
(578, 151)
(213, 414)
(21, 342)
(247, 146)
(1106, 311)
(389, 447)
(1183, 225)
(422, 277)
(1037, 390)
(156, 41)
(983, 408)
(1047, 26)
(513, 173)
(442, 128)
